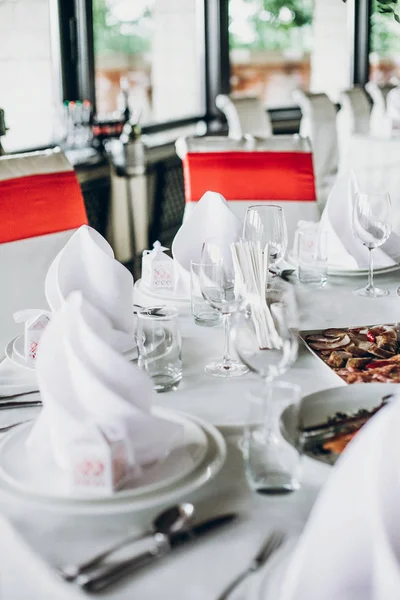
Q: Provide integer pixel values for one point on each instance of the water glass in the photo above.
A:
(160, 346)
(202, 312)
(312, 256)
(271, 442)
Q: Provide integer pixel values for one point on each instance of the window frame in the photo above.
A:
(75, 52)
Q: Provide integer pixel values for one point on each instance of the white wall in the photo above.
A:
(27, 82)
(332, 53)
(176, 68)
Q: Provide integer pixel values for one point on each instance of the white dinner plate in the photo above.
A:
(15, 351)
(338, 272)
(18, 470)
(162, 295)
(317, 408)
(12, 451)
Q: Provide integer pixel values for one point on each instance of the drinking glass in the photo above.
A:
(266, 223)
(312, 256)
(217, 284)
(159, 346)
(272, 463)
(277, 357)
(204, 314)
(372, 226)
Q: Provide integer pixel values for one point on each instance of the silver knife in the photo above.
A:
(159, 545)
(7, 404)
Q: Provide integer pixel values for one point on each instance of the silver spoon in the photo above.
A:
(172, 520)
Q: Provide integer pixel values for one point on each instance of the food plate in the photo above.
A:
(366, 354)
(164, 295)
(186, 469)
(15, 351)
(319, 408)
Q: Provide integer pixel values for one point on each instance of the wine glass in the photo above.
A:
(266, 223)
(372, 226)
(271, 360)
(217, 284)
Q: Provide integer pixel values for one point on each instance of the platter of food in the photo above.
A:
(330, 419)
(367, 354)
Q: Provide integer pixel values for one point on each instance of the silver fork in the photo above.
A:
(8, 427)
(272, 543)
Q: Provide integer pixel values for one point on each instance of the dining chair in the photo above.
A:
(278, 170)
(356, 108)
(244, 115)
(318, 123)
(379, 123)
(41, 206)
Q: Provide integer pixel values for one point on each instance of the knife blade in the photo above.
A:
(159, 545)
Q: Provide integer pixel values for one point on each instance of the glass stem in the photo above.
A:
(226, 361)
(370, 285)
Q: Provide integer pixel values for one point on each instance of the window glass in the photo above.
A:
(384, 59)
(150, 54)
(29, 83)
(270, 47)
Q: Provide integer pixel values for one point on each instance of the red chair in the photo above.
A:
(277, 171)
(39, 195)
(41, 205)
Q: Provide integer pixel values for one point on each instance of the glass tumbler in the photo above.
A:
(271, 441)
(204, 314)
(160, 346)
(312, 256)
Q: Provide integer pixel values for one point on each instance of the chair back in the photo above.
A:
(244, 115)
(357, 109)
(41, 206)
(318, 123)
(379, 124)
(282, 175)
(39, 194)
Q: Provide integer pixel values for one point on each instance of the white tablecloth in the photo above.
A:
(32, 540)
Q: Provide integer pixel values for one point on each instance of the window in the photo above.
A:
(29, 83)
(384, 59)
(150, 54)
(270, 46)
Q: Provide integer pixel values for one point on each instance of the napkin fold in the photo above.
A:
(344, 250)
(87, 263)
(211, 218)
(96, 405)
(350, 548)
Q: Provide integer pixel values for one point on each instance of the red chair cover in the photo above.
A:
(35, 205)
(250, 175)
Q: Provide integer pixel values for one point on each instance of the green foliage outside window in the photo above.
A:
(271, 24)
(385, 38)
(112, 35)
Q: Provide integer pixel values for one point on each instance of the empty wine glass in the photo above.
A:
(271, 360)
(266, 223)
(372, 226)
(217, 284)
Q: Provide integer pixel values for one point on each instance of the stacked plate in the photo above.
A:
(190, 465)
(143, 295)
(15, 351)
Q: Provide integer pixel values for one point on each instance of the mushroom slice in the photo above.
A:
(333, 344)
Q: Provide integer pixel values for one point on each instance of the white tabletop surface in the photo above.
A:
(32, 540)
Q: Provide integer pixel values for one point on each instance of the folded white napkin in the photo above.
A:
(211, 218)
(350, 548)
(87, 263)
(344, 250)
(96, 405)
